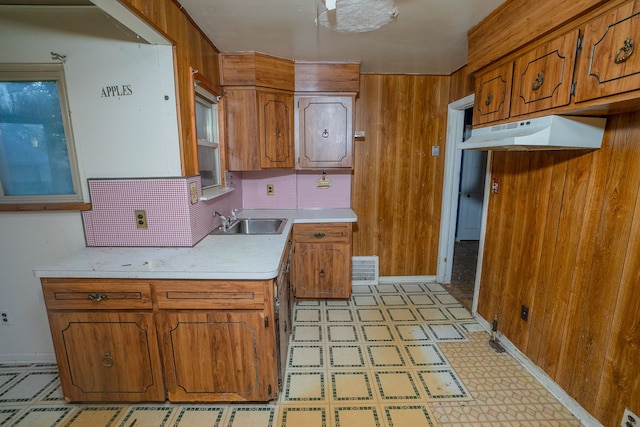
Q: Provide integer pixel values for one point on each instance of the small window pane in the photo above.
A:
(208, 139)
(37, 155)
(33, 149)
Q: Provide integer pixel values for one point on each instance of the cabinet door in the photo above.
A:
(326, 132)
(542, 77)
(322, 270)
(610, 62)
(107, 356)
(241, 112)
(493, 94)
(218, 356)
(276, 130)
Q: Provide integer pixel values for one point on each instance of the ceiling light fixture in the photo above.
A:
(356, 16)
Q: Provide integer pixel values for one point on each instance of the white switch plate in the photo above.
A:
(629, 419)
(435, 151)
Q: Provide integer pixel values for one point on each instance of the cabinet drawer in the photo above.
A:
(81, 294)
(210, 295)
(322, 233)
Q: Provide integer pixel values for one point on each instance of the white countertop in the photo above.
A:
(236, 257)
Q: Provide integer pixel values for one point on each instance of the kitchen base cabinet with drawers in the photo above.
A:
(218, 340)
(104, 337)
(321, 261)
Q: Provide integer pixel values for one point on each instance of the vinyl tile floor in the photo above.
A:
(394, 355)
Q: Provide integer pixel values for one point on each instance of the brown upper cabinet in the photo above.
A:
(591, 57)
(324, 119)
(493, 94)
(325, 132)
(542, 76)
(611, 64)
(258, 92)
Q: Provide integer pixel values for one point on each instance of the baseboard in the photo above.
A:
(28, 358)
(406, 279)
(558, 392)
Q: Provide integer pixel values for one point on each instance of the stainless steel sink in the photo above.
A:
(253, 226)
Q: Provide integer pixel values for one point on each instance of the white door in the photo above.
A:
(471, 194)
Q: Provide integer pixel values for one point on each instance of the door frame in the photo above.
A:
(451, 184)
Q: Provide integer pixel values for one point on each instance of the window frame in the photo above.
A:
(28, 72)
(199, 84)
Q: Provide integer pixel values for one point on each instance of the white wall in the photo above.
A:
(127, 136)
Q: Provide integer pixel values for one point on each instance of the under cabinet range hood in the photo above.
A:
(542, 133)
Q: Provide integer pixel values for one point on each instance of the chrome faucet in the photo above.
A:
(227, 222)
(224, 219)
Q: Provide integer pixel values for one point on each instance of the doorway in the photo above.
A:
(463, 208)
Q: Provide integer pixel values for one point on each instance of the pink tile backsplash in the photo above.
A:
(171, 217)
(295, 190)
(254, 186)
(336, 196)
(174, 221)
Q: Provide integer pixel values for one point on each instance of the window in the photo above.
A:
(37, 155)
(208, 136)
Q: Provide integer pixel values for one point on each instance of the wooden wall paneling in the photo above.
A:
(461, 84)
(588, 221)
(561, 285)
(387, 118)
(397, 185)
(496, 247)
(515, 277)
(399, 170)
(364, 184)
(420, 177)
(556, 161)
(606, 270)
(619, 387)
(533, 233)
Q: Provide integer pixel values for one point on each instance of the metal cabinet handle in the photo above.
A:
(537, 83)
(325, 134)
(278, 134)
(624, 52)
(319, 235)
(107, 360)
(96, 297)
(322, 274)
(489, 99)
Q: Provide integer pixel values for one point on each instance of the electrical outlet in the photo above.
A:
(524, 314)
(629, 419)
(270, 190)
(141, 219)
(193, 192)
(5, 319)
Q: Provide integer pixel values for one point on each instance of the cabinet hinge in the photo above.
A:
(573, 88)
(579, 45)
(266, 321)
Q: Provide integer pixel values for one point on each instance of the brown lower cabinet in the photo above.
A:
(321, 260)
(210, 340)
(107, 356)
